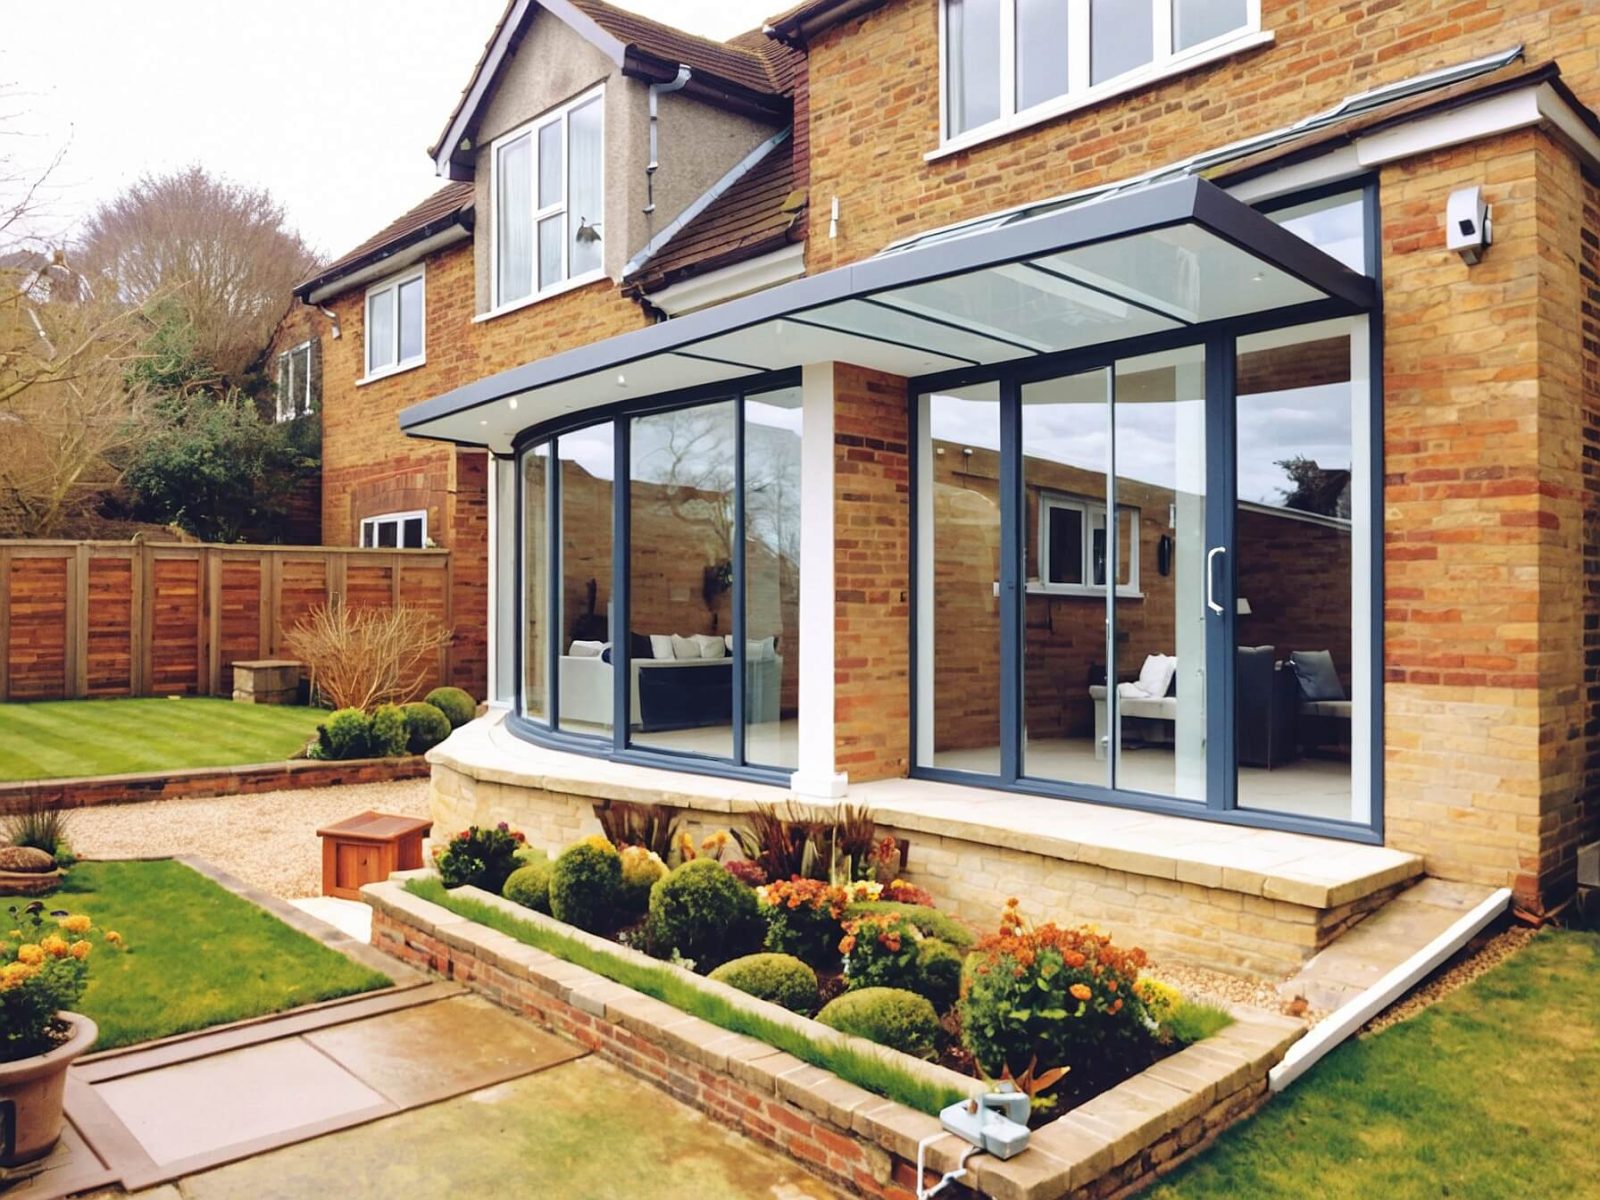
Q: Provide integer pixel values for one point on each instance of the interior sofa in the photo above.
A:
(669, 693)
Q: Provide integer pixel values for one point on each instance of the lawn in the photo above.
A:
(197, 955)
(1487, 1094)
(54, 739)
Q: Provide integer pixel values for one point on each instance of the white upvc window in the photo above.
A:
(396, 324)
(1073, 547)
(395, 531)
(294, 382)
(1008, 63)
(547, 185)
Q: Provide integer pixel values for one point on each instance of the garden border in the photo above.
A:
(195, 783)
(1116, 1141)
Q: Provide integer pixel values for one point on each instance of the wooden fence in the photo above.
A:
(80, 619)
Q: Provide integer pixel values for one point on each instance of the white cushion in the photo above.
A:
(710, 645)
(685, 647)
(1155, 677)
(583, 649)
(661, 646)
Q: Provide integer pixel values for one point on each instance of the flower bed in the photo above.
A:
(1140, 1127)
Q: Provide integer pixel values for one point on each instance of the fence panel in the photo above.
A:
(81, 619)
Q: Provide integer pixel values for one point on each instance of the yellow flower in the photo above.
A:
(1080, 991)
(15, 933)
(15, 974)
(54, 946)
(80, 950)
(77, 923)
(113, 937)
(30, 954)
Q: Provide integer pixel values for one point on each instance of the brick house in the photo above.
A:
(957, 404)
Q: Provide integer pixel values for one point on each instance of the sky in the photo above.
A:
(330, 105)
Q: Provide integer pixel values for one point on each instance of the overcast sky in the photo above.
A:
(330, 105)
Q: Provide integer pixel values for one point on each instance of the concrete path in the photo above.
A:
(1384, 940)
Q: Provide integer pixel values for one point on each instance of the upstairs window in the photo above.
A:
(395, 324)
(1008, 59)
(395, 531)
(548, 202)
(294, 397)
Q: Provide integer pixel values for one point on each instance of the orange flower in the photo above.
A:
(80, 950)
(1080, 991)
(847, 944)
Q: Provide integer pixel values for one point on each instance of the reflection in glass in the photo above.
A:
(1300, 675)
(772, 577)
(1336, 225)
(1196, 21)
(1121, 37)
(683, 521)
(535, 583)
(1041, 51)
(1066, 454)
(958, 671)
(587, 461)
(1159, 421)
(972, 50)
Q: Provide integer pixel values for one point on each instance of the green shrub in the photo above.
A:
(891, 1017)
(939, 972)
(479, 857)
(1194, 1021)
(39, 828)
(880, 951)
(345, 734)
(455, 704)
(780, 978)
(529, 886)
(389, 735)
(641, 867)
(586, 885)
(930, 921)
(701, 913)
(1055, 998)
(426, 727)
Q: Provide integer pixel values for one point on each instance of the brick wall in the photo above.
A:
(1589, 258)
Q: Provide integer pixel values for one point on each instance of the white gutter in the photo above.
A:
(401, 258)
(1351, 1016)
(731, 282)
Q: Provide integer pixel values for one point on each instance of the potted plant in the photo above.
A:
(44, 968)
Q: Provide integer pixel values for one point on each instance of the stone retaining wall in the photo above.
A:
(861, 1142)
(206, 781)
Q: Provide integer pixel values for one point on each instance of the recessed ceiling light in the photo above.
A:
(511, 403)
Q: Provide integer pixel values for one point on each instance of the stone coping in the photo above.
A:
(200, 782)
(1179, 1102)
(1319, 873)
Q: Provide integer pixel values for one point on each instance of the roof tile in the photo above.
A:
(451, 200)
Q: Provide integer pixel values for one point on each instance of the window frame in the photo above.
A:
(1164, 63)
(286, 365)
(531, 130)
(1087, 511)
(393, 284)
(398, 519)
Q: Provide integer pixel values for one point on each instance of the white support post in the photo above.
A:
(502, 580)
(817, 779)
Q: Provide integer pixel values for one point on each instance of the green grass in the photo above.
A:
(1195, 1020)
(668, 985)
(55, 739)
(1489, 1093)
(197, 954)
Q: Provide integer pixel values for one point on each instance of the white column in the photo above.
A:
(1189, 586)
(502, 580)
(1365, 518)
(816, 779)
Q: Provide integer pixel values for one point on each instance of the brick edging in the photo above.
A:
(1112, 1144)
(206, 781)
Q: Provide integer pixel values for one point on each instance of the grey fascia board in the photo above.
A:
(1154, 207)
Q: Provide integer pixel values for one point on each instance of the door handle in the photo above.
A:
(1211, 579)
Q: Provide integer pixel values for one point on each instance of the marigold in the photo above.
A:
(80, 950)
(55, 946)
(77, 923)
(30, 954)
(113, 937)
(1080, 991)
(15, 975)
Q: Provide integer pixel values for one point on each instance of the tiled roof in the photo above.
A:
(758, 213)
(740, 61)
(449, 205)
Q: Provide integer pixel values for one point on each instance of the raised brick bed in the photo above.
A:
(862, 1142)
(206, 781)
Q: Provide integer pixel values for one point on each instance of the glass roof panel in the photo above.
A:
(881, 317)
(1183, 270)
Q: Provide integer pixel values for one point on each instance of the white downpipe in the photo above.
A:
(1309, 1050)
(923, 1193)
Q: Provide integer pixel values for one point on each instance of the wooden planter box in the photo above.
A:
(368, 849)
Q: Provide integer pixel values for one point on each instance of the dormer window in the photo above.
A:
(1009, 62)
(548, 202)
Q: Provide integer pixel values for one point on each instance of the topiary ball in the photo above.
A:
(891, 1017)
(640, 870)
(426, 726)
(702, 913)
(939, 972)
(345, 734)
(457, 706)
(780, 978)
(586, 885)
(529, 886)
(389, 734)
(930, 922)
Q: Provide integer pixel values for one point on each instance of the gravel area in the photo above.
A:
(1200, 983)
(269, 839)
(1474, 959)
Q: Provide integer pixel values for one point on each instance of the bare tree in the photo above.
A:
(220, 251)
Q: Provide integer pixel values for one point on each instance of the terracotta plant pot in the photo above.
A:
(32, 1089)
